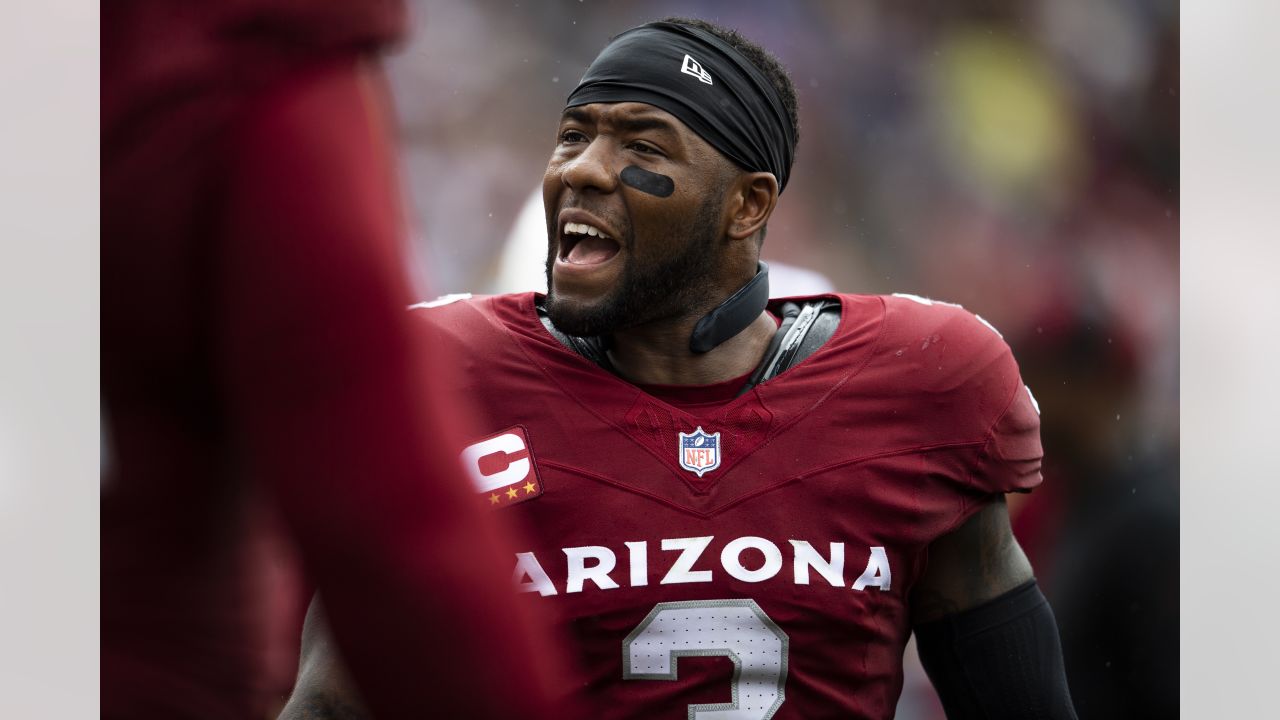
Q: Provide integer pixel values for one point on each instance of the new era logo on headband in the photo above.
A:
(694, 68)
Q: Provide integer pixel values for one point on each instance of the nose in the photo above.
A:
(593, 168)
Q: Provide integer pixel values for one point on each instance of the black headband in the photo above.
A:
(704, 82)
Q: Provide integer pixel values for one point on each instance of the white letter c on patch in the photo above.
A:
(506, 444)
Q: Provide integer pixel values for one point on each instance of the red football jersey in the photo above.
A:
(753, 561)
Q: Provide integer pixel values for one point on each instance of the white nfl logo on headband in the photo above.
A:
(694, 68)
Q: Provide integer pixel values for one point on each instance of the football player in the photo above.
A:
(741, 508)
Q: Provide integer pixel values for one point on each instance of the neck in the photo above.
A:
(658, 353)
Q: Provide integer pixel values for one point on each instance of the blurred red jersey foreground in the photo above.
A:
(261, 388)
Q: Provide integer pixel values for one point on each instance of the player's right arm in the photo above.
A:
(324, 690)
(984, 631)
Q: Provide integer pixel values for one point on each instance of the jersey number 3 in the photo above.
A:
(736, 629)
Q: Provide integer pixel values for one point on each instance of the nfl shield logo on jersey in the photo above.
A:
(699, 451)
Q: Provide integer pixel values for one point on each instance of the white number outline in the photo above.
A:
(675, 655)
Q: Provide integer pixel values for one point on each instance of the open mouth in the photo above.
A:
(583, 244)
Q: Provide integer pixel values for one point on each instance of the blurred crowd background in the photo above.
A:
(1017, 157)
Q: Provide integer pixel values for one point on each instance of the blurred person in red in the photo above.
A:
(260, 381)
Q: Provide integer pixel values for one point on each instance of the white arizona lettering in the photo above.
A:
(692, 549)
(527, 566)
(806, 557)
(639, 552)
(580, 572)
(877, 573)
(731, 559)
(594, 565)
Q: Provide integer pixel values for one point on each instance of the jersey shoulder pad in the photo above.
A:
(471, 322)
(444, 300)
(452, 318)
(965, 366)
(956, 347)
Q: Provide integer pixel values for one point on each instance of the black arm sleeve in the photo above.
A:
(1001, 659)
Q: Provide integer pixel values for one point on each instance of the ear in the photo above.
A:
(751, 202)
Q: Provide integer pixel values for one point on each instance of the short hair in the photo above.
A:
(764, 61)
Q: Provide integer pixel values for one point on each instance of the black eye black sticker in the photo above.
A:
(647, 182)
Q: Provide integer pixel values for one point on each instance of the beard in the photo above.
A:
(650, 288)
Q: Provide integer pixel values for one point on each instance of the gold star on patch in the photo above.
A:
(512, 493)
(529, 487)
(494, 499)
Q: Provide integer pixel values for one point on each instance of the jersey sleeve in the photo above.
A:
(973, 394)
(1010, 455)
(994, 403)
(1010, 458)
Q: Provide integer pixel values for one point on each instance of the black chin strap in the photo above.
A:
(733, 315)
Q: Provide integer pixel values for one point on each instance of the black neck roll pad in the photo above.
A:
(646, 181)
(733, 315)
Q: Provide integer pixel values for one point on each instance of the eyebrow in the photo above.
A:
(631, 124)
